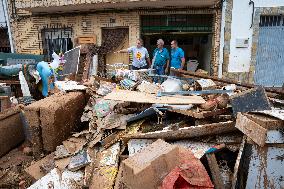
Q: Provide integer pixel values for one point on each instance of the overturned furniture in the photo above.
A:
(52, 120)
(11, 129)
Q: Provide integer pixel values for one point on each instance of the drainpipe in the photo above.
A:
(222, 41)
(7, 16)
(252, 3)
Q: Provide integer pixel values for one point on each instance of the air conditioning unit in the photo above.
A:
(242, 42)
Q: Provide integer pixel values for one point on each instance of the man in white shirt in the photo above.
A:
(140, 55)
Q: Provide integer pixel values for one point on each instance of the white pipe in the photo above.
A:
(5, 4)
(222, 41)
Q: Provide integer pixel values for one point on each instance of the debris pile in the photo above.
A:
(185, 132)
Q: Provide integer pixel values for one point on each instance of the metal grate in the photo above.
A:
(56, 39)
(272, 20)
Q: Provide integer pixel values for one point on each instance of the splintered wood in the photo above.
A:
(134, 96)
(257, 127)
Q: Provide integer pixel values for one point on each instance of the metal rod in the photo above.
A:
(159, 94)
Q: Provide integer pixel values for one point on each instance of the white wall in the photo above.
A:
(239, 59)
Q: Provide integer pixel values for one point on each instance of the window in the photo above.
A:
(56, 40)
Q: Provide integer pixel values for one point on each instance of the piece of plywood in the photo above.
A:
(134, 96)
(266, 121)
(250, 128)
(113, 58)
(250, 100)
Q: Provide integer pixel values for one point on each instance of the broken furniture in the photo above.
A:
(261, 164)
(51, 120)
(11, 129)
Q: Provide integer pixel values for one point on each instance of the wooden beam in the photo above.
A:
(215, 171)
(253, 130)
(229, 81)
(237, 164)
(202, 114)
(187, 132)
(10, 82)
(265, 121)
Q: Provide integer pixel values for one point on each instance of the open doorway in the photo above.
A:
(196, 46)
(115, 39)
(193, 33)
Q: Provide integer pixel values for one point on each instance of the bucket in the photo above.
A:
(192, 65)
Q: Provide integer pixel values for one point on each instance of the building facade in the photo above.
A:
(41, 25)
(252, 37)
(229, 38)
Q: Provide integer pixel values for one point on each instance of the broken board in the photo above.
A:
(35, 171)
(255, 130)
(215, 171)
(134, 96)
(250, 100)
(202, 114)
(188, 132)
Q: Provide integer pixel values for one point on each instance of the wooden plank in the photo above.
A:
(265, 121)
(10, 82)
(215, 171)
(200, 115)
(250, 128)
(188, 132)
(134, 96)
(237, 164)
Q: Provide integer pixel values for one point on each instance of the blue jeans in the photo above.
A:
(160, 70)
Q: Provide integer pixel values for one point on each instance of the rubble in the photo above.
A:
(35, 171)
(129, 132)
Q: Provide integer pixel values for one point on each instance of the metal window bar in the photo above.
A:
(56, 39)
(271, 20)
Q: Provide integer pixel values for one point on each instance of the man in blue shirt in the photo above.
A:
(45, 73)
(161, 58)
(177, 56)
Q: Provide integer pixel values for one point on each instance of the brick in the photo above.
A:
(11, 130)
(147, 168)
